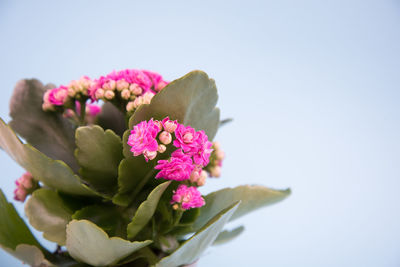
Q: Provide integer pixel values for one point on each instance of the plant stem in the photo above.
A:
(82, 113)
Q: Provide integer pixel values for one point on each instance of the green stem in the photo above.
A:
(82, 113)
(143, 183)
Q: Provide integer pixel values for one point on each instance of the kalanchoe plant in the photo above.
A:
(117, 185)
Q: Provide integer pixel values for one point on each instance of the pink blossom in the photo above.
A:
(178, 167)
(186, 138)
(202, 156)
(93, 110)
(188, 197)
(24, 185)
(57, 96)
(143, 138)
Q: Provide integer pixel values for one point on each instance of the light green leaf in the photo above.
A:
(252, 197)
(29, 254)
(226, 235)
(88, 243)
(53, 173)
(48, 132)
(191, 100)
(192, 249)
(48, 213)
(146, 210)
(99, 153)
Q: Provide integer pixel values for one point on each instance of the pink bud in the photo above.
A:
(165, 138)
(122, 84)
(138, 101)
(71, 92)
(109, 94)
(215, 171)
(161, 148)
(169, 126)
(99, 94)
(112, 84)
(150, 155)
(220, 154)
(135, 89)
(202, 179)
(125, 94)
(20, 194)
(130, 106)
(147, 97)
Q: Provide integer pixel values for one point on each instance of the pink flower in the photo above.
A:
(188, 197)
(178, 167)
(202, 156)
(186, 138)
(57, 96)
(194, 143)
(143, 138)
(93, 110)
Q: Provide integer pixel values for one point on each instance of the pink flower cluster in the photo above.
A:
(186, 163)
(187, 197)
(24, 186)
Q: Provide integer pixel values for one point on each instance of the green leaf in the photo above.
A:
(88, 243)
(13, 230)
(48, 213)
(226, 236)
(191, 100)
(106, 217)
(112, 118)
(252, 197)
(191, 249)
(53, 173)
(99, 153)
(146, 210)
(48, 132)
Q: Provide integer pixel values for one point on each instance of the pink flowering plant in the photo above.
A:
(114, 172)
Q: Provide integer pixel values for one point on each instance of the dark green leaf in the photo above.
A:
(191, 100)
(105, 216)
(48, 213)
(53, 173)
(191, 249)
(112, 118)
(99, 153)
(226, 236)
(146, 210)
(48, 132)
(252, 197)
(88, 243)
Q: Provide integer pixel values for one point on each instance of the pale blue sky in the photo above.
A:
(313, 87)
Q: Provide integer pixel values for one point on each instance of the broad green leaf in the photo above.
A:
(146, 210)
(191, 100)
(99, 153)
(107, 217)
(13, 230)
(226, 235)
(48, 213)
(252, 197)
(53, 173)
(31, 255)
(112, 118)
(88, 243)
(48, 132)
(192, 249)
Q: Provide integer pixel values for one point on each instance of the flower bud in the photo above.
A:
(215, 171)
(122, 84)
(202, 179)
(138, 101)
(113, 84)
(161, 148)
(147, 97)
(135, 89)
(169, 126)
(219, 154)
(150, 155)
(165, 137)
(125, 94)
(109, 94)
(99, 94)
(71, 92)
(130, 106)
